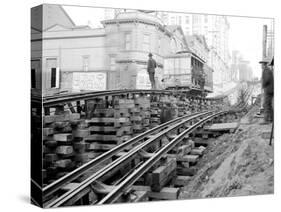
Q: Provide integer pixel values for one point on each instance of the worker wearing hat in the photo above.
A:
(268, 86)
(151, 65)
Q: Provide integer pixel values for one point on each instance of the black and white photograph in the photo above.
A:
(132, 105)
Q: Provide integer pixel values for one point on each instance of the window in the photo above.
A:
(33, 78)
(146, 42)
(86, 60)
(53, 73)
(53, 77)
(186, 19)
(128, 41)
(196, 19)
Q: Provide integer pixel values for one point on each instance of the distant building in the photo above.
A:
(215, 29)
(245, 71)
(198, 45)
(240, 69)
(234, 69)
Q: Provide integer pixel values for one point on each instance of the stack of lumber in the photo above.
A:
(58, 151)
(110, 126)
(155, 112)
(140, 115)
(182, 105)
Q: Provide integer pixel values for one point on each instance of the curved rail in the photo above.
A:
(62, 98)
(58, 184)
(62, 200)
(115, 194)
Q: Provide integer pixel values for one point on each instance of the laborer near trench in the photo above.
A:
(268, 86)
(151, 65)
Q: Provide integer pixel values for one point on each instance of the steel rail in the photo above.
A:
(116, 193)
(58, 184)
(83, 185)
(59, 99)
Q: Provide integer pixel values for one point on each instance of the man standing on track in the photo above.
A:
(151, 65)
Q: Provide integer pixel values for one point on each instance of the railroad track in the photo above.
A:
(185, 125)
(116, 193)
(50, 101)
(53, 187)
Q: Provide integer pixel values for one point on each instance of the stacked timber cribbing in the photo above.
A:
(58, 142)
(71, 139)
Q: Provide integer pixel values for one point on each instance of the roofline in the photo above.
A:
(137, 20)
(66, 14)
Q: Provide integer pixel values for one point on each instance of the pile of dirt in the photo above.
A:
(236, 164)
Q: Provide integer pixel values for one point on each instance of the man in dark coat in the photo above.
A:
(268, 86)
(151, 65)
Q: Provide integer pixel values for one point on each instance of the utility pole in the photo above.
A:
(264, 44)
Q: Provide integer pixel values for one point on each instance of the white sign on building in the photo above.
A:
(143, 80)
(93, 81)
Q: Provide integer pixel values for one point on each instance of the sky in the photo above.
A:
(245, 33)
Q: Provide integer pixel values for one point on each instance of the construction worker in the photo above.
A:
(268, 86)
(151, 65)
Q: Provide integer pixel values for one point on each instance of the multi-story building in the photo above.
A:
(245, 71)
(215, 29)
(240, 69)
(75, 58)
(235, 58)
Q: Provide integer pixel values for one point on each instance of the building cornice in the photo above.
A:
(136, 20)
(68, 37)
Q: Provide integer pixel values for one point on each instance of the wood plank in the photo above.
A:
(166, 193)
(182, 180)
(64, 150)
(108, 120)
(81, 146)
(51, 158)
(198, 151)
(186, 171)
(139, 196)
(63, 137)
(162, 174)
(48, 131)
(81, 133)
(98, 146)
(222, 126)
(98, 137)
(64, 163)
(81, 157)
(191, 158)
(60, 118)
(103, 129)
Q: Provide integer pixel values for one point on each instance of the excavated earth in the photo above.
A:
(236, 164)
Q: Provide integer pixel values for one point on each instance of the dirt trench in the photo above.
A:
(236, 164)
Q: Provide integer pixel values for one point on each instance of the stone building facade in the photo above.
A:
(75, 58)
